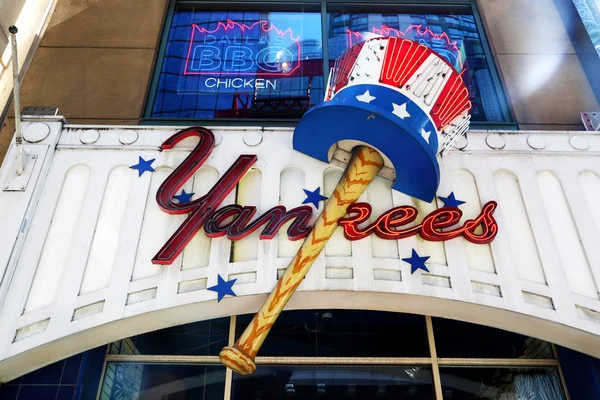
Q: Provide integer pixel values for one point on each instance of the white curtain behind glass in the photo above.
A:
(537, 387)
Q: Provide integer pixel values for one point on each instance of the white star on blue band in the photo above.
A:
(366, 97)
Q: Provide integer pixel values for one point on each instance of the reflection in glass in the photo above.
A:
(500, 383)
(334, 382)
(268, 62)
(204, 338)
(240, 64)
(589, 10)
(343, 333)
(455, 339)
(454, 37)
(131, 381)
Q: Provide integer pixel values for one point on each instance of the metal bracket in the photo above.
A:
(591, 120)
(37, 111)
(18, 183)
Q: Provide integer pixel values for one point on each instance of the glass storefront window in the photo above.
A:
(258, 61)
(343, 333)
(331, 354)
(500, 383)
(204, 338)
(454, 36)
(589, 10)
(490, 343)
(245, 63)
(129, 381)
(334, 382)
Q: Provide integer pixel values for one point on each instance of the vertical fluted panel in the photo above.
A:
(479, 256)
(337, 244)
(248, 194)
(108, 229)
(290, 196)
(58, 241)
(379, 195)
(568, 245)
(435, 250)
(197, 252)
(518, 229)
(590, 183)
(157, 227)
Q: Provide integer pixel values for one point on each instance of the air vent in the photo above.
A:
(46, 111)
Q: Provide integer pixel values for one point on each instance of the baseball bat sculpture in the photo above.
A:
(362, 169)
(393, 106)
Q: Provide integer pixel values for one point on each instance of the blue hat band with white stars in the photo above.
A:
(385, 98)
(387, 120)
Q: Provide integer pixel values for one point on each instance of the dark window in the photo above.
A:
(240, 64)
(455, 339)
(248, 61)
(77, 377)
(343, 333)
(589, 10)
(205, 338)
(454, 37)
(334, 382)
(162, 381)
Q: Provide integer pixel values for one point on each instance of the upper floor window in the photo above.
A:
(248, 61)
(589, 10)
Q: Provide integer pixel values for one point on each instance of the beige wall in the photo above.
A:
(95, 62)
(96, 58)
(543, 78)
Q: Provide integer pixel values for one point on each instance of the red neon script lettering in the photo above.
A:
(430, 229)
(234, 221)
(201, 208)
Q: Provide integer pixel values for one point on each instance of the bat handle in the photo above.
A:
(361, 170)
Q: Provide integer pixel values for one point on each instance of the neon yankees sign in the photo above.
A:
(236, 222)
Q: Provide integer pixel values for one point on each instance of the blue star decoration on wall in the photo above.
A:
(314, 197)
(143, 166)
(184, 197)
(222, 288)
(416, 262)
(451, 201)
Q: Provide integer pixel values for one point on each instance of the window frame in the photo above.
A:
(433, 361)
(147, 119)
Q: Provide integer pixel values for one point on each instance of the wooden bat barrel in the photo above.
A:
(363, 167)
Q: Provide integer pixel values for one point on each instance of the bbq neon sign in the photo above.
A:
(236, 222)
(238, 49)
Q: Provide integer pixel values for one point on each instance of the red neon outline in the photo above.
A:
(429, 229)
(344, 68)
(397, 71)
(452, 101)
(202, 207)
(229, 24)
(386, 31)
(273, 219)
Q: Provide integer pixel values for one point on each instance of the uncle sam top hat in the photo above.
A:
(397, 96)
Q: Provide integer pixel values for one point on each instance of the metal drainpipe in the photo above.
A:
(17, 99)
